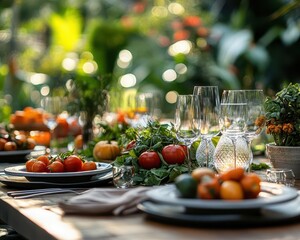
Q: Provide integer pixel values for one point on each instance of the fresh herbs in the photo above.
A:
(151, 138)
(259, 166)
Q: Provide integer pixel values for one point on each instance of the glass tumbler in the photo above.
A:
(281, 176)
(123, 176)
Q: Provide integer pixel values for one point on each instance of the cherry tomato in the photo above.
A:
(173, 154)
(209, 189)
(87, 166)
(39, 166)
(2, 143)
(29, 164)
(44, 159)
(56, 166)
(251, 185)
(73, 163)
(231, 190)
(10, 146)
(149, 160)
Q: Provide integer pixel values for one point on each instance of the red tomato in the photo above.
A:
(149, 160)
(130, 145)
(44, 159)
(87, 166)
(73, 163)
(39, 166)
(56, 166)
(173, 154)
(29, 164)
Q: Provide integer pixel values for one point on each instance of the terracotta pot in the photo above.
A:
(284, 157)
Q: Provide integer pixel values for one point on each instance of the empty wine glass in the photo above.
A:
(255, 122)
(187, 121)
(53, 106)
(209, 108)
(233, 117)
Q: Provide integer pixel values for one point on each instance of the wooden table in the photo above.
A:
(40, 218)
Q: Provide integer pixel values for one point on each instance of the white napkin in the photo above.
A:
(112, 201)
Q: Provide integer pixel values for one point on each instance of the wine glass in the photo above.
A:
(187, 121)
(53, 106)
(209, 108)
(233, 117)
(140, 109)
(255, 122)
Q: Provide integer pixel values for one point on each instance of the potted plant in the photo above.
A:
(283, 123)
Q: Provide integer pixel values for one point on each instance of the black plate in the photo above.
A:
(271, 193)
(277, 214)
(22, 182)
(14, 156)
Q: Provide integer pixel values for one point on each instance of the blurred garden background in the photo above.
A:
(160, 46)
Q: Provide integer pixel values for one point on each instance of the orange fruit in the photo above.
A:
(251, 185)
(235, 174)
(231, 190)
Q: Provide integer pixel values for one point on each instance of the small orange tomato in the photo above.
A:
(231, 190)
(10, 146)
(2, 143)
(39, 166)
(86, 166)
(235, 174)
(73, 163)
(209, 188)
(29, 164)
(44, 159)
(251, 185)
(56, 166)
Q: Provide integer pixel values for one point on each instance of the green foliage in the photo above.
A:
(153, 137)
(283, 116)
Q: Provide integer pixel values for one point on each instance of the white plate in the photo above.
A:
(58, 177)
(271, 193)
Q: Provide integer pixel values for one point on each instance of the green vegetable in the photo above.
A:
(260, 166)
(153, 137)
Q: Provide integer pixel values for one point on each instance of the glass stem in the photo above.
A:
(189, 158)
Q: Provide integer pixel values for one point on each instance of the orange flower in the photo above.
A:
(288, 128)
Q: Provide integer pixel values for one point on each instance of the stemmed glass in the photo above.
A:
(187, 121)
(209, 108)
(256, 117)
(233, 117)
(53, 106)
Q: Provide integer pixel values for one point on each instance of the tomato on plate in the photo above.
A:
(149, 160)
(251, 185)
(39, 166)
(29, 164)
(56, 166)
(73, 163)
(173, 154)
(87, 166)
(44, 159)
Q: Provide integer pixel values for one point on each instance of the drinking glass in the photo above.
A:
(140, 109)
(209, 108)
(233, 115)
(187, 121)
(255, 122)
(53, 106)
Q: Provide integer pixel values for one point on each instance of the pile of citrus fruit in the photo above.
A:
(204, 183)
